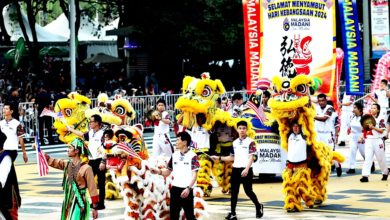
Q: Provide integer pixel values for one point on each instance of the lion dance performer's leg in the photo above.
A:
(291, 199)
(304, 186)
(222, 171)
(228, 168)
(203, 179)
(112, 190)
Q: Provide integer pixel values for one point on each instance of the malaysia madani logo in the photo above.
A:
(286, 24)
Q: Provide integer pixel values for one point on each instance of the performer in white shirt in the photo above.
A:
(346, 115)
(242, 156)
(162, 145)
(184, 167)
(297, 166)
(201, 141)
(374, 145)
(355, 141)
(14, 131)
(324, 125)
(382, 98)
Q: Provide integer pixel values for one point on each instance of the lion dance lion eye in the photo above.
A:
(120, 110)
(301, 88)
(68, 112)
(206, 91)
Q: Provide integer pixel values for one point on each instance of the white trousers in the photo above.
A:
(374, 146)
(353, 147)
(345, 118)
(161, 146)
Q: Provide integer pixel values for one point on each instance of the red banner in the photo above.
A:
(252, 36)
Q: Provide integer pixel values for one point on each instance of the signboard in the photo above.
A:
(380, 27)
(354, 72)
(252, 43)
(271, 159)
(295, 37)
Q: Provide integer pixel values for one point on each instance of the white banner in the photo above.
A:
(271, 159)
(380, 27)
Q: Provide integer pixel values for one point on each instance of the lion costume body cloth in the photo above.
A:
(291, 103)
(145, 195)
(199, 97)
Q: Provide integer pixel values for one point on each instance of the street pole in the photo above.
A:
(72, 21)
(366, 41)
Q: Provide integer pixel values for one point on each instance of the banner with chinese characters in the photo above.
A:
(354, 72)
(298, 37)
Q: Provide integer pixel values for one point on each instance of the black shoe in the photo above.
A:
(342, 143)
(260, 211)
(332, 168)
(373, 167)
(384, 177)
(339, 170)
(364, 179)
(292, 210)
(231, 216)
(351, 171)
(100, 207)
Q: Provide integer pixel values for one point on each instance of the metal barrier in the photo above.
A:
(141, 104)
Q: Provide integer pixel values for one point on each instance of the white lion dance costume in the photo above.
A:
(291, 102)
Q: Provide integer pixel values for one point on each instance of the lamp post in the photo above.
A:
(72, 22)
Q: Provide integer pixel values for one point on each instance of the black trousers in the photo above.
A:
(13, 154)
(235, 182)
(101, 177)
(47, 121)
(177, 203)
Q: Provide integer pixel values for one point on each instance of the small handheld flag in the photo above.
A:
(43, 167)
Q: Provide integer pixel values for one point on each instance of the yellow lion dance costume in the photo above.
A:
(291, 102)
(71, 112)
(199, 98)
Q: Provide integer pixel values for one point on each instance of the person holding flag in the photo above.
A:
(95, 138)
(78, 178)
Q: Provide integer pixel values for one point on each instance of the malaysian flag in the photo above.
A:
(43, 167)
(258, 111)
(228, 103)
(194, 145)
(123, 147)
(48, 112)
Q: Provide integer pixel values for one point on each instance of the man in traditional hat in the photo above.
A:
(78, 177)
